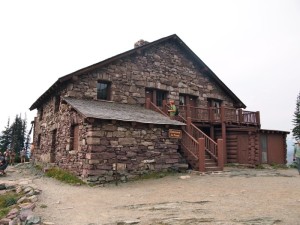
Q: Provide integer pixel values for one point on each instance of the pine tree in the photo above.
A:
(18, 134)
(296, 120)
(5, 138)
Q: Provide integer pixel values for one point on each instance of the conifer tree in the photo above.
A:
(5, 137)
(15, 135)
(18, 134)
(296, 120)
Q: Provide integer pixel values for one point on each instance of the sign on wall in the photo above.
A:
(175, 133)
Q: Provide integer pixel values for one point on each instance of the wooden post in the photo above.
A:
(211, 115)
(188, 125)
(188, 111)
(201, 154)
(240, 113)
(148, 103)
(224, 142)
(220, 154)
(222, 114)
(212, 132)
(165, 108)
(257, 118)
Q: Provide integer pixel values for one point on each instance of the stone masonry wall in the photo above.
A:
(136, 150)
(60, 153)
(163, 67)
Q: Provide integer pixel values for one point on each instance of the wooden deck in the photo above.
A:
(201, 151)
(213, 115)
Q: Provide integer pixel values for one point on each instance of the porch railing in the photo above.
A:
(205, 144)
(190, 145)
(194, 150)
(194, 142)
(210, 144)
(152, 106)
(214, 115)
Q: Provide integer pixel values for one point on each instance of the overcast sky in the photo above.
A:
(252, 46)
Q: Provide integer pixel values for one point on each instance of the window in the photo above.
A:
(182, 100)
(156, 96)
(103, 90)
(185, 99)
(215, 104)
(56, 103)
(74, 137)
(53, 147)
(160, 96)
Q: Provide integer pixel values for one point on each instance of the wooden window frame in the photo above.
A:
(56, 103)
(108, 90)
(188, 98)
(53, 146)
(74, 137)
(155, 93)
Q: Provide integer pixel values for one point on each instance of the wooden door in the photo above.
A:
(243, 149)
(276, 149)
(149, 94)
(191, 100)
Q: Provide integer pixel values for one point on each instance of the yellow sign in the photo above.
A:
(175, 133)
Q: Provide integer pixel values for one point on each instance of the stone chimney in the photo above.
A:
(140, 43)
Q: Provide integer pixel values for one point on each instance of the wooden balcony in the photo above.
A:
(214, 115)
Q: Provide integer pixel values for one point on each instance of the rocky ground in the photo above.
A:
(237, 196)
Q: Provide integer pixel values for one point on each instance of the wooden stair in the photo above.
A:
(211, 164)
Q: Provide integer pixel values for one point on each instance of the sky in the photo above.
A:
(253, 46)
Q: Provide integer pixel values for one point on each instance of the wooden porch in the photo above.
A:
(202, 152)
(214, 115)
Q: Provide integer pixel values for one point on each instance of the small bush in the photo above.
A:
(6, 201)
(293, 165)
(38, 167)
(63, 176)
(260, 167)
(3, 212)
(278, 166)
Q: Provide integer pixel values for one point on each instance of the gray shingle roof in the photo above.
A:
(118, 111)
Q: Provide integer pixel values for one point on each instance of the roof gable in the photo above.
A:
(201, 66)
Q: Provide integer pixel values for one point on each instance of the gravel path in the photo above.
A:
(236, 196)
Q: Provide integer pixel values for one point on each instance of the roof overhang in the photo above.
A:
(106, 110)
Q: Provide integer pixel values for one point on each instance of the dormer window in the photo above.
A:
(103, 90)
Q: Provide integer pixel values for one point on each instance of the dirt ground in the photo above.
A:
(235, 196)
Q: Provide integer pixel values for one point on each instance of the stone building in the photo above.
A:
(112, 116)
